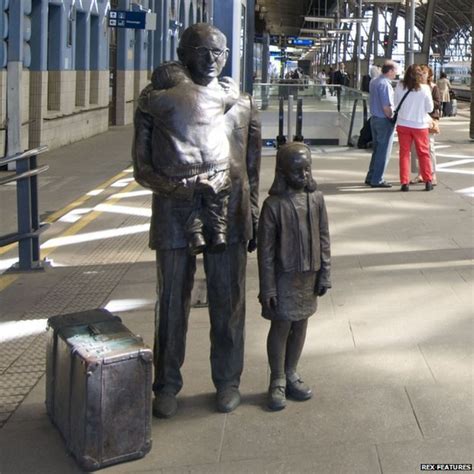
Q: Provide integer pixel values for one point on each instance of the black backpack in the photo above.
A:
(365, 137)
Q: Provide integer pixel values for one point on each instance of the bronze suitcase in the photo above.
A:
(98, 388)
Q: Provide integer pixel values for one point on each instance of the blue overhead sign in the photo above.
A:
(135, 20)
(295, 41)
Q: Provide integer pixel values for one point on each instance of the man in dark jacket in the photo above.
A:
(342, 78)
(202, 50)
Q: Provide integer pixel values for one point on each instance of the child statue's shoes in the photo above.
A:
(219, 243)
(276, 395)
(197, 244)
(297, 389)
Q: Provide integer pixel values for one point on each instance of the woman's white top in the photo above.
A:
(415, 108)
(322, 78)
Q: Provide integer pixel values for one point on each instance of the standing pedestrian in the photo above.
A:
(444, 87)
(413, 123)
(381, 110)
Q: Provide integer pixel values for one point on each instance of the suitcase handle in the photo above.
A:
(93, 330)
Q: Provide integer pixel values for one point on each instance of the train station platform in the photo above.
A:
(389, 354)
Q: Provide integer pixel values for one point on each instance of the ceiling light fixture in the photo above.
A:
(320, 19)
(311, 30)
(339, 31)
(352, 20)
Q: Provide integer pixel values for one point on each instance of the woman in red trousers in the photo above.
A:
(413, 124)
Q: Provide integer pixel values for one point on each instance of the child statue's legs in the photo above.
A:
(276, 350)
(295, 387)
(216, 210)
(209, 216)
(194, 227)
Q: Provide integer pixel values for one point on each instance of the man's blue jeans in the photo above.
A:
(382, 141)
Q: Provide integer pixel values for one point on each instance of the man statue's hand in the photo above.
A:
(213, 184)
(252, 245)
(184, 189)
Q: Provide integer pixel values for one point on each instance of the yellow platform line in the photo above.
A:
(87, 219)
(78, 202)
(7, 280)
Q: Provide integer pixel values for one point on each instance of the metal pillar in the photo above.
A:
(391, 33)
(14, 78)
(250, 18)
(370, 44)
(375, 32)
(289, 123)
(427, 32)
(410, 33)
(265, 63)
(358, 46)
(227, 17)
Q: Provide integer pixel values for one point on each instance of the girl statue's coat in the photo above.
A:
(286, 270)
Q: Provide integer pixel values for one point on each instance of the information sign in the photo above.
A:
(134, 20)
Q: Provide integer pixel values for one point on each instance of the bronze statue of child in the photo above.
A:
(294, 267)
(199, 152)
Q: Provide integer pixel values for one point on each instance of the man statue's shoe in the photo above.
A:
(405, 188)
(228, 399)
(165, 405)
(297, 389)
(428, 186)
(197, 243)
(276, 395)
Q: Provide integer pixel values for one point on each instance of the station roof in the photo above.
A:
(286, 17)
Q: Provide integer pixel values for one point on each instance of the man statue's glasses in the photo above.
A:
(203, 51)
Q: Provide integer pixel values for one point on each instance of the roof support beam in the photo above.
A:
(425, 48)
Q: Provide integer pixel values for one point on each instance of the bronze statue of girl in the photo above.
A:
(294, 267)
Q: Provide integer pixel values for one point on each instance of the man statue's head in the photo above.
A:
(203, 50)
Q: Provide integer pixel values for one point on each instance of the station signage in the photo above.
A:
(133, 20)
(295, 41)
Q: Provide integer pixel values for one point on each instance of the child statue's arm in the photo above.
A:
(231, 92)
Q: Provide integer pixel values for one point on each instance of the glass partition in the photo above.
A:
(331, 114)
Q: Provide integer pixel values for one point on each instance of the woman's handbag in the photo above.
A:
(394, 117)
(434, 127)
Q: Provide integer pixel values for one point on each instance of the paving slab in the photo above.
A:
(30, 447)
(369, 368)
(444, 409)
(407, 457)
(330, 417)
(389, 353)
(356, 459)
(452, 361)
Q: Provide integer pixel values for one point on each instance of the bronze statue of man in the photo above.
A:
(202, 51)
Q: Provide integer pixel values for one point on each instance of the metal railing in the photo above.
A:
(29, 226)
(353, 116)
(326, 114)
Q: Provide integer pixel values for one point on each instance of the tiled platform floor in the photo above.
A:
(389, 352)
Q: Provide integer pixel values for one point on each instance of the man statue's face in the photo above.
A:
(205, 56)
